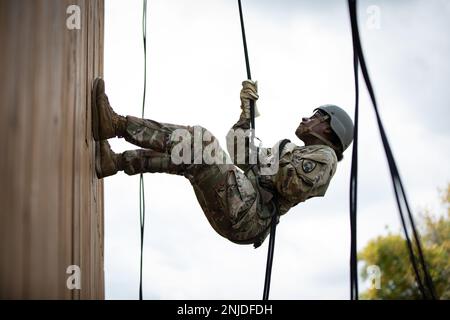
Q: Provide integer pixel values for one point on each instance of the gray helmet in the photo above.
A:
(340, 123)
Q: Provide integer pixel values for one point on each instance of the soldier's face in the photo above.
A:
(316, 123)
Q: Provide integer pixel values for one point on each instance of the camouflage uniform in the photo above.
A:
(237, 205)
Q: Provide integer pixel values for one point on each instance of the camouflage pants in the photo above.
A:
(225, 194)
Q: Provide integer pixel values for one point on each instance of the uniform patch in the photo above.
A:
(308, 165)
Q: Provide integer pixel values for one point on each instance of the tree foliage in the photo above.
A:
(390, 254)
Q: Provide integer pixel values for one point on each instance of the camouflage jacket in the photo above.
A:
(303, 173)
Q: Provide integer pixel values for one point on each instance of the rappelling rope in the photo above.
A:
(354, 187)
(399, 191)
(141, 178)
(274, 221)
(247, 65)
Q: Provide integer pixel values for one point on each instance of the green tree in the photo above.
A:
(390, 254)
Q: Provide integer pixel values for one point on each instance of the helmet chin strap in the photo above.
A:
(324, 140)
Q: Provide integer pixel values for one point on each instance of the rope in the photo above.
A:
(399, 190)
(273, 229)
(141, 178)
(247, 65)
(354, 188)
(274, 221)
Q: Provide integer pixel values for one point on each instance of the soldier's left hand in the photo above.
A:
(249, 92)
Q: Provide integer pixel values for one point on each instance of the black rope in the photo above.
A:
(354, 188)
(247, 65)
(399, 191)
(141, 178)
(252, 123)
(273, 229)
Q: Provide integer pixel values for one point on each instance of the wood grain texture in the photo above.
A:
(51, 203)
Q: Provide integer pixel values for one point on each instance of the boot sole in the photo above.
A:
(95, 111)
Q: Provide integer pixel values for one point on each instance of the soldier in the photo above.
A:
(237, 199)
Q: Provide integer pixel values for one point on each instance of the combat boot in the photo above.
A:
(105, 122)
(107, 163)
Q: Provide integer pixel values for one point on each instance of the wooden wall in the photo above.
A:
(51, 203)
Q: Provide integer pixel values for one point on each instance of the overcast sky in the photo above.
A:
(301, 55)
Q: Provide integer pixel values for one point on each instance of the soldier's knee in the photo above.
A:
(133, 162)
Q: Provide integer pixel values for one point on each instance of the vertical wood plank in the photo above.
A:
(51, 203)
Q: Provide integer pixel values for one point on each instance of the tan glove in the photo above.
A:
(249, 92)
